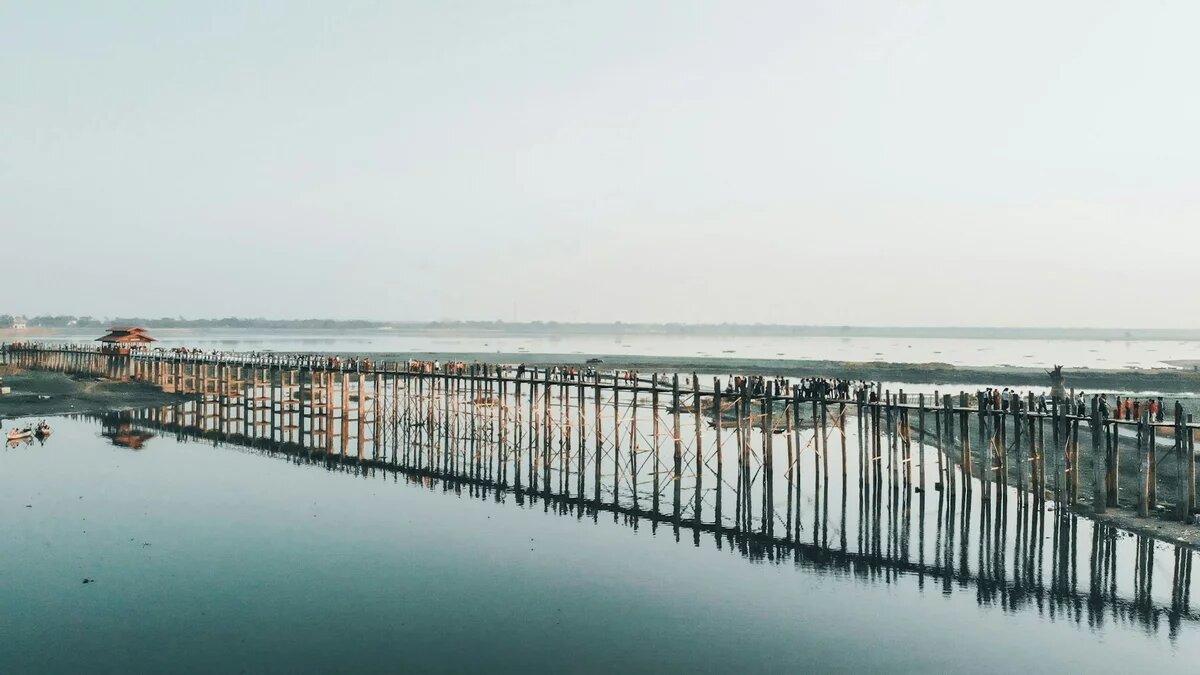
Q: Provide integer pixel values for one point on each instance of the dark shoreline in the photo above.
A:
(73, 395)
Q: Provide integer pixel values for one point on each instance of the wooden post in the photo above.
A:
(1014, 406)
(920, 442)
(1099, 499)
(738, 515)
(1190, 454)
(824, 431)
(519, 429)
(964, 433)
(768, 431)
(534, 436)
(598, 451)
(790, 473)
(1058, 449)
(1076, 463)
(699, 448)
(716, 411)
(1152, 451)
(1040, 452)
(581, 463)
(943, 448)
(795, 433)
(1143, 468)
(633, 441)
(657, 445)
(676, 434)
(548, 434)
(616, 442)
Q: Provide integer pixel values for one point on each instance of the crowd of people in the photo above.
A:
(1080, 404)
(807, 388)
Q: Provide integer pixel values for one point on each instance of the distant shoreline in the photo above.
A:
(58, 325)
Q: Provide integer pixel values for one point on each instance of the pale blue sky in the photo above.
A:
(792, 162)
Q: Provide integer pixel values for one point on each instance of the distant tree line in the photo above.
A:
(68, 321)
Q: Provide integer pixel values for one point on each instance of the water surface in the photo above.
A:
(217, 557)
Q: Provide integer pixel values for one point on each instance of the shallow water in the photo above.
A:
(1034, 353)
(210, 556)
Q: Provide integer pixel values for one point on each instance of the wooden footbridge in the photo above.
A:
(667, 444)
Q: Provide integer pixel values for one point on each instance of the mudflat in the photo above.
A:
(43, 393)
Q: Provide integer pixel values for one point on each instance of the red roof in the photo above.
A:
(126, 335)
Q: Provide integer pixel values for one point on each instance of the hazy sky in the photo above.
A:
(912, 163)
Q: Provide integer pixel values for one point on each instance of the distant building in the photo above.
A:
(19, 323)
(126, 336)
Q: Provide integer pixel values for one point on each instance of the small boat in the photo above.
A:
(20, 434)
(42, 430)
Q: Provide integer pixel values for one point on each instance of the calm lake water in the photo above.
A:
(211, 556)
(955, 351)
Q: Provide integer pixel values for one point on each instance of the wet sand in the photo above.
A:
(72, 395)
(1156, 526)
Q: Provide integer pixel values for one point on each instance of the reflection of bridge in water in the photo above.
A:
(1004, 545)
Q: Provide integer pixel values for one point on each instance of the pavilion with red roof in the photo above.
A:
(127, 336)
